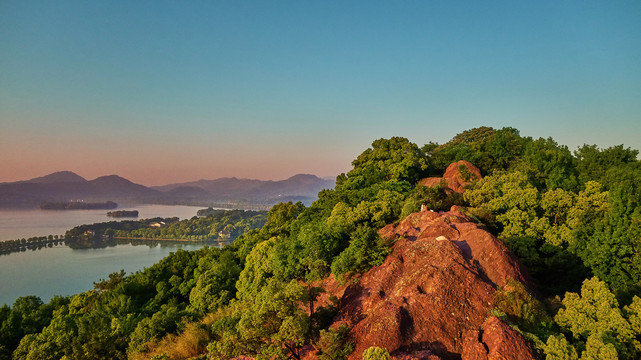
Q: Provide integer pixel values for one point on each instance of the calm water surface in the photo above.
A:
(63, 271)
(17, 224)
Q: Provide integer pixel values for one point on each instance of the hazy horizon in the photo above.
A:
(330, 177)
(169, 92)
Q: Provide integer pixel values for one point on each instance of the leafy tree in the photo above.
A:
(598, 349)
(556, 206)
(376, 353)
(558, 348)
(155, 327)
(555, 268)
(275, 326)
(226, 343)
(467, 145)
(74, 332)
(589, 206)
(512, 200)
(475, 137)
(334, 344)
(487, 148)
(279, 222)
(365, 250)
(257, 271)
(215, 281)
(308, 255)
(610, 245)
(28, 315)
(549, 166)
(114, 280)
(596, 322)
(395, 159)
(593, 163)
(280, 217)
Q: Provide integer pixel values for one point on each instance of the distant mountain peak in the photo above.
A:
(303, 187)
(304, 176)
(111, 179)
(112, 176)
(58, 177)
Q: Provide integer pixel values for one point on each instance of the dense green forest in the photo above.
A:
(209, 226)
(573, 218)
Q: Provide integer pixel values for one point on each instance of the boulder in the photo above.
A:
(454, 180)
(498, 342)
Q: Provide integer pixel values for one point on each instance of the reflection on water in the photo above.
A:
(60, 270)
(45, 271)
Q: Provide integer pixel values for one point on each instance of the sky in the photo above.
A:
(171, 91)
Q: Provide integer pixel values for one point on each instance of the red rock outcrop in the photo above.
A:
(434, 292)
(453, 178)
(499, 342)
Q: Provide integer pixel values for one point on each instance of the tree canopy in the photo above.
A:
(574, 219)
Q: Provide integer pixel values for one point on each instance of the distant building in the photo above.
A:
(157, 224)
(224, 234)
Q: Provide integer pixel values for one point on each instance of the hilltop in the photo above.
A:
(57, 177)
(433, 295)
(490, 246)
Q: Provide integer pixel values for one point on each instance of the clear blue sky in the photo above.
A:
(168, 91)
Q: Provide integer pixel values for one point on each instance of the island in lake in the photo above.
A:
(78, 205)
(123, 213)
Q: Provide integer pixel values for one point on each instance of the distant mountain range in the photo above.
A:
(230, 192)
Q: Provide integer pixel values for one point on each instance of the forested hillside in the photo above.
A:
(573, 218)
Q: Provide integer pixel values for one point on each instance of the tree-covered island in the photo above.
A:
(123, 213)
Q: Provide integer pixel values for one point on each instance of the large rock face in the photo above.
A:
(453, 178)
(434, 292)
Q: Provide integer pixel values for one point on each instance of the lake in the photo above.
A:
(18, 224)
(61, 270)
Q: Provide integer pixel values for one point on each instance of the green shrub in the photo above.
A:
(376, 353)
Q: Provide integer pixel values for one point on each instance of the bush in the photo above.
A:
(376, 353)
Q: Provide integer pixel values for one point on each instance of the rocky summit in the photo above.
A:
(433, 295)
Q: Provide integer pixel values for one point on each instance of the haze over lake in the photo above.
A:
(17, 224)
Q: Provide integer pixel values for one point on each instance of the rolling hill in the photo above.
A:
(67, 186)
